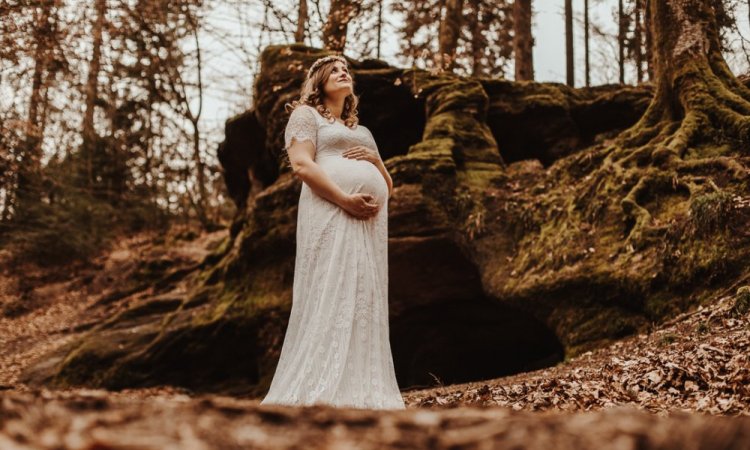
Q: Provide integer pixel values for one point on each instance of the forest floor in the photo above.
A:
(683, 384)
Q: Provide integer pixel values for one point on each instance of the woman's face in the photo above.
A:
(339, 81)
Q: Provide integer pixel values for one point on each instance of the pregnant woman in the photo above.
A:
(336, 350)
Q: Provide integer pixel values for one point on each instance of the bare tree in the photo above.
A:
(586, 50)
(44, 38)
(194, 118)
(649, 39)
(379, 27)
(341, 13)
(299, 35)
(523, 41)
(638, 41)
(450, 29)
(569, 56)
(484, 44)
(621, 30)
(92, 91)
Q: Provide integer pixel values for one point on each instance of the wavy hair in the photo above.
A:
(312, 92)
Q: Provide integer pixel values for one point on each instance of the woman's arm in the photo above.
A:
(381, 167)
(301, 158)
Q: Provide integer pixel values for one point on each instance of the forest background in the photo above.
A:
(111, 110)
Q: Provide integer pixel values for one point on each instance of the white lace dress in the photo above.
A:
(336, 350)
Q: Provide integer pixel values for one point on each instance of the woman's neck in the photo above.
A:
(335, 105)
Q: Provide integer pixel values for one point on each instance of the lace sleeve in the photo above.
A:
(301, 126)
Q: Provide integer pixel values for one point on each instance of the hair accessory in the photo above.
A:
(320, 61)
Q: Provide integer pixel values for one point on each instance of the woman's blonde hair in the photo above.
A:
(312, 92)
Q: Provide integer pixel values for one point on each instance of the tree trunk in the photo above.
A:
(380, 27)
(523, 41)
(478, 43)
(621, 40)
(450, 30)
(29, 170)
(195, 119)
(299, 35)
(200, 203)
(335, 29)
(699, 117)
(649, 39)
(587, 65)
(570, 65)
(89, 134)
(638, 41)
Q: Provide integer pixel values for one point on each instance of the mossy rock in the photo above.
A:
(741, 304)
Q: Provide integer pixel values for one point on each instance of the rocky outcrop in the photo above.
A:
(543, 121)
(509, 238)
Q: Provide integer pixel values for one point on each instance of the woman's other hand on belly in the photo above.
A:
(361, 205)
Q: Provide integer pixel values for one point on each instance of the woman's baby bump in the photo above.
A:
(355, 175)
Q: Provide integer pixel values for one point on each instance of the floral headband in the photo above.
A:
(320, 61)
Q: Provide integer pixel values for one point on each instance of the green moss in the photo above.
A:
(461, 128)
(602, 323)
(710, 212)
(152, 270)
(741, 304)
(471, 211)
(527, 97)
(428, 158)
(468, 98)
(702, 262)
(154, 306)
(480, 176)
(94, 359)
(709, 150)
(434, 148)
(220, 250)
(660, 304)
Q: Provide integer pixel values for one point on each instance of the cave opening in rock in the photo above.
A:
(462, 341)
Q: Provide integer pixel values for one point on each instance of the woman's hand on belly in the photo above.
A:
(361, 205)
(363, 153)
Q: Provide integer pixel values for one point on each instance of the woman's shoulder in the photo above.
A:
(305, 109)
(303, 114)
(307, 113)
(303, 106)
(364, 128)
